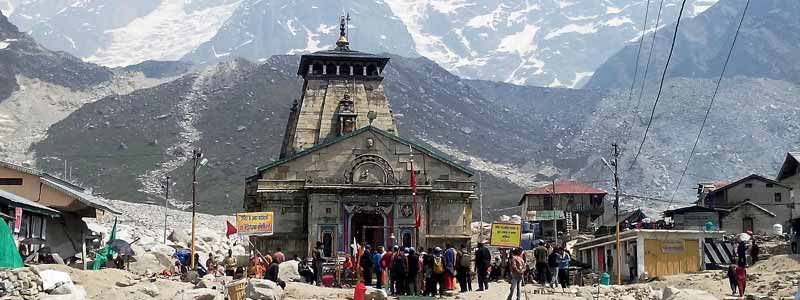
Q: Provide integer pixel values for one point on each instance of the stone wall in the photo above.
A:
(20, 284)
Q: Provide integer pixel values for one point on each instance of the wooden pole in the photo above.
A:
(195, 154)
(616, 212)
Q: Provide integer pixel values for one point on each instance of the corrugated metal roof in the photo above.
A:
(565, 187)
(83, 197)
(25, 203)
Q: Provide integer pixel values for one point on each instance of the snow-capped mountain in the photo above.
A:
(534, 42)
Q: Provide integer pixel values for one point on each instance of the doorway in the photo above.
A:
(747, 224)
(368, 228)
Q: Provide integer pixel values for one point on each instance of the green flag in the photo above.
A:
(9, 256)
(101, 257)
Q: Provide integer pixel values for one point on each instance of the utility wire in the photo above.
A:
(711, 103)
(646, 69)
(636, 65)
(661, 84)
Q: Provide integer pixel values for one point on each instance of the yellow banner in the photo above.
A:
(505, 235)
(256, 223)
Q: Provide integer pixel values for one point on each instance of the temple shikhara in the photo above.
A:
(344, 175)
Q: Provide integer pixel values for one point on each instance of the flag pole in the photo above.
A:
(413, 183)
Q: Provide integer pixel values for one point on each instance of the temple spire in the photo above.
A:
(342, 44)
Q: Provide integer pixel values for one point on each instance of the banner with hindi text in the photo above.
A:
(255, 223)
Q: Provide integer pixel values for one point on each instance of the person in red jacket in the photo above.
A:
(386, 262)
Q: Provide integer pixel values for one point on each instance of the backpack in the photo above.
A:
(399, 264)
(552, 260)
(466, 260)
(438, 265)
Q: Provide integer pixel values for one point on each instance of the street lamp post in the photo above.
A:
(166, 208)
(614, 168)
(196, 164)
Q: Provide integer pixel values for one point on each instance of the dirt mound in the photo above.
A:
(777, 263)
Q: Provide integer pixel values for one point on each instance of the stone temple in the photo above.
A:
(344, 174)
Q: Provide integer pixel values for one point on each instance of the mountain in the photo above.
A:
(765, 47)
(517, 136)
(543, 43)
(236, 112)
(39, 87)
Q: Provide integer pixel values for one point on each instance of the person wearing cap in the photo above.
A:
(317, 260)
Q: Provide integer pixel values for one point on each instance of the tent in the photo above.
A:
(9, 256)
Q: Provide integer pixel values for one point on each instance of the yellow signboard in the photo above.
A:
(256, 223)
(505, 235)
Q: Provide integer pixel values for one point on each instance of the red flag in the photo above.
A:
(417, 220)
(231, 230)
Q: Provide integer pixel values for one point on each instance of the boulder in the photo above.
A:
(180, 237)
(375, 294)
(62, 289)
(202, 294)
(78, 293)
(263, 289)
(672, 293)
(288, 271)
(149, 289)
(52, 279)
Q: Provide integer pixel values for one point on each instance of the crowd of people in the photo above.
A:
(434, 271)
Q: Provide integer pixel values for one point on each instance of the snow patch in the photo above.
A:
(519, 42)
(7, 7)
(572, 28)
(3, 45)
(618, 21)
(167, 33)
(579, 77)
(449, 6)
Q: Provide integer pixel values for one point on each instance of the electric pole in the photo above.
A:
(555, 214)
(166, 208)
(480, 200)
(196, 155)
(616, 210)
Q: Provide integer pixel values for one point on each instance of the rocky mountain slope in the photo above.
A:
(764, 49)
(544, 43)
(39, 87)
(236, 112)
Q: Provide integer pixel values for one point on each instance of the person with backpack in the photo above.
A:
(517, 268)
(464, 262)
(399, 268)
(552, 264)
(413, 270)
(438, 272)
(483, 260)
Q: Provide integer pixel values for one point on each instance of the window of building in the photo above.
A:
(778, 197)
(548, 202)
(10, 181)
(748, 185)
(769, 185)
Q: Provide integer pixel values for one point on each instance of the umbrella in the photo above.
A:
(121, 247)
(33, 241)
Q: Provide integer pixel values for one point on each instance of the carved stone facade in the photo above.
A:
(344, 174)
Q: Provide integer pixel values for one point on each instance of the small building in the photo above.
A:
(695, 217)
(789, 175)
(50, 208)
(753, 203)
(575, 203)
(606, 224)
(656, 252)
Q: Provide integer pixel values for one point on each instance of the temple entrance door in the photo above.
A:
(368, 228)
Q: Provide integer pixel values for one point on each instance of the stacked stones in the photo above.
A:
(20, 284)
